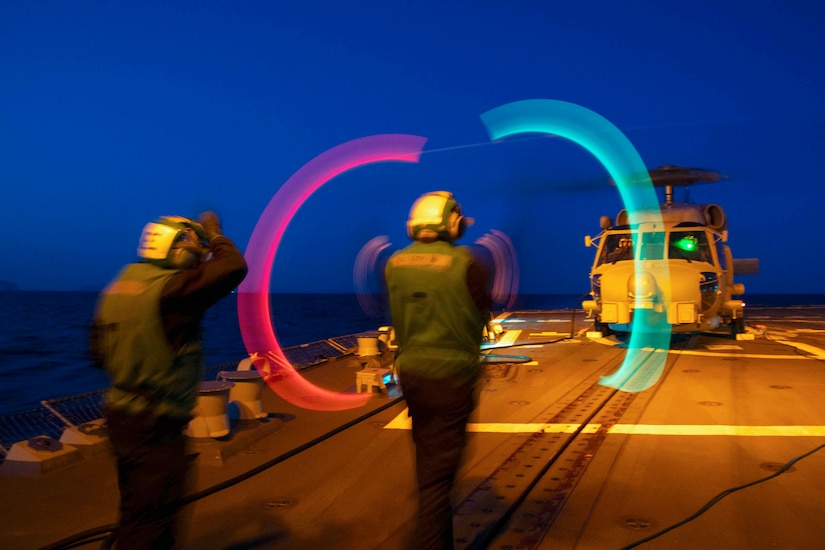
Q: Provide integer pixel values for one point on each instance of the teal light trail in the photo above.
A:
(650, 332)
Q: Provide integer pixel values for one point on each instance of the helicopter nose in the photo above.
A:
(642, 286)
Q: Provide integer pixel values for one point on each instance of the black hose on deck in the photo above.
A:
(92, 535)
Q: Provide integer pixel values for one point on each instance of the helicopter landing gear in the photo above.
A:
(737, 326)
(604, 328)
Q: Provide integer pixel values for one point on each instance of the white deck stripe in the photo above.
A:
(509, 338)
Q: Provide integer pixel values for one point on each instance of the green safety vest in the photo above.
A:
(437, 325)
(147, 375)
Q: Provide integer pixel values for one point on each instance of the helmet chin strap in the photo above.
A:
(183, 258)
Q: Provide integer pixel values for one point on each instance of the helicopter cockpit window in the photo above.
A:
(720, 253)
(689, 245)
(653, 246)
(618, 247)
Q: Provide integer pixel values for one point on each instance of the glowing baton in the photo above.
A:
(506, 275)
(366, 265)
(641, 368)
(253, 294)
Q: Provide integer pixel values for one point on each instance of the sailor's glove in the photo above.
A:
(211, 224)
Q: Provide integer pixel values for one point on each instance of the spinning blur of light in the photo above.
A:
(366, 273)
(253, 294)
(368, 270)
(506, 273)
(641, 368)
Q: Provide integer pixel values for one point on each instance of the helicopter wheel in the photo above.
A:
(737, 326)
(604, 328)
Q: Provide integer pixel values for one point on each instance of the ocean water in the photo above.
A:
(44, 338)
(44, 350)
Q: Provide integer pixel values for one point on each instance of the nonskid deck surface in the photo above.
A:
(555, 460)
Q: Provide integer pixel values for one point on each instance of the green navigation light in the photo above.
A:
(688, 244)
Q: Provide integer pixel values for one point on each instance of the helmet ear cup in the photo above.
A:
(457, 225)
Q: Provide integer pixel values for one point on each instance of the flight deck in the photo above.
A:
(722, 452)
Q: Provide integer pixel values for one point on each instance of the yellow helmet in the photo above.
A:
(437, 215)
(158, 239)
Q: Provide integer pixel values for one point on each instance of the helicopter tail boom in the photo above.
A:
(746, 266)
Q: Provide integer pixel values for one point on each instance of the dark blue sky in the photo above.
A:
(114, 112)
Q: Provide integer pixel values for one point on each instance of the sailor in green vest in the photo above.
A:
(147, 336)
(439, 303)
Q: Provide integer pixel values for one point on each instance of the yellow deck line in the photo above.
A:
(813, 350)
(710, 353)
(700, 429)
(403, 422)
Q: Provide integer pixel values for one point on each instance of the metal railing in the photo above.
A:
(56, 415)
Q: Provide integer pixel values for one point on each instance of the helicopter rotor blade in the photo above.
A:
(669, 174)
(560, 185)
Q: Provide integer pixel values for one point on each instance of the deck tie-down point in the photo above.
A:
(246, 393)
(371, 377)
(210, 415)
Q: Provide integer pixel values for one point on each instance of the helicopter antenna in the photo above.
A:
(669, 175)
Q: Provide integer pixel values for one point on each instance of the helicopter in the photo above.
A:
(687, 271)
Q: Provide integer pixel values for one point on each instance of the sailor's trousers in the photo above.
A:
(439, 410)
